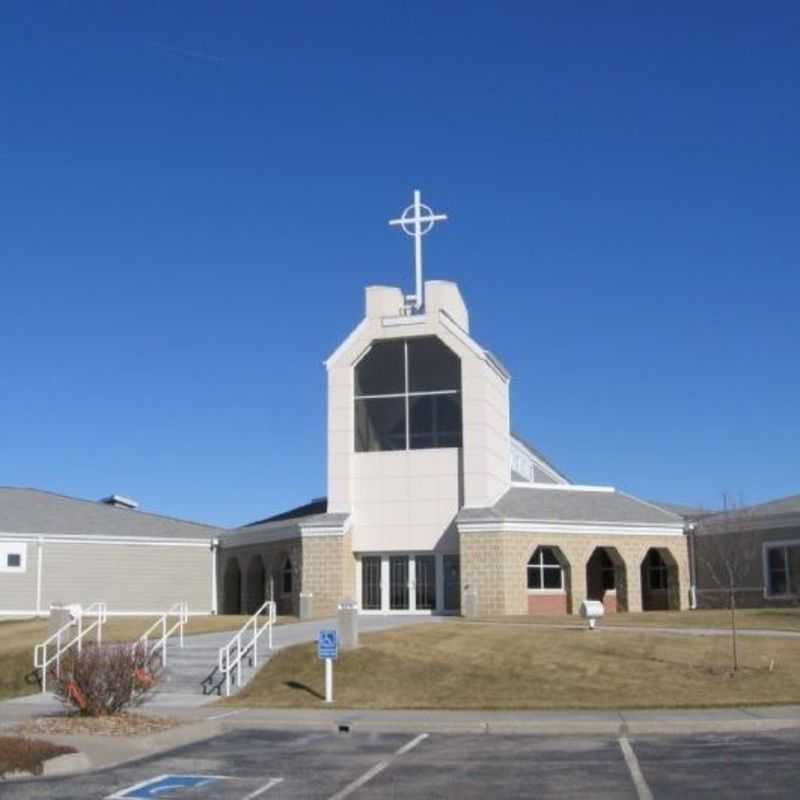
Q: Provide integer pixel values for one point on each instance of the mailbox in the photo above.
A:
(592, 610)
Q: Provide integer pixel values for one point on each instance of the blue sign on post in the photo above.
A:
(327, 644)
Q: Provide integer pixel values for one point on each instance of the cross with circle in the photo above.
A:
(416, 221)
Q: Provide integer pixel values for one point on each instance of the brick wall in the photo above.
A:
(494, 566)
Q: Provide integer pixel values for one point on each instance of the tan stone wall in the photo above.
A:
(323, 572)
(494, 565)
(273, 556)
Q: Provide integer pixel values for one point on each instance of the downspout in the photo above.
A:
(214, 548)
(690, 529)
(39, 556)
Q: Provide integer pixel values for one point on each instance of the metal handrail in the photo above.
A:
(40, 658)
(230, 661)
(179, 610)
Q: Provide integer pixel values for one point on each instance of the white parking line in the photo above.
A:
(265, 788)
(642, 789)
(378, 768)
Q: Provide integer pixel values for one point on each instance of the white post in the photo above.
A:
(328, 680)
(40, 554)
(228, 672)
(214, 548)
(418, 247)
(239, 661)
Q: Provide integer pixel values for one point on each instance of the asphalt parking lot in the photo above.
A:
(250, 764)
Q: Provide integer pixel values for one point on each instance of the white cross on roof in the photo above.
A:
(416, 221)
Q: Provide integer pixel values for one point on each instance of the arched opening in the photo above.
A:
(232, 588)
(606, 579)
(548, 581)
(286, 587)
(660, 585)
(256, 578)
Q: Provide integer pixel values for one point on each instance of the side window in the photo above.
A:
(13, 556)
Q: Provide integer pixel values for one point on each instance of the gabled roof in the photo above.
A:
(546, 503)
(33, 511)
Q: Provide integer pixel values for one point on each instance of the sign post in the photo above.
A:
(328, 650)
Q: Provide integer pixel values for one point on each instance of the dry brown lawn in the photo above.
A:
(18, 638)
(453, 665)
(777, 619)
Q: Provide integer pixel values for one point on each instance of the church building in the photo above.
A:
(433, 505)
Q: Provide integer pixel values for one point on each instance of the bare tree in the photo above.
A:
(727, 553)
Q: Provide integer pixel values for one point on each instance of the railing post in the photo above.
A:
(227, 673)
(239, 661)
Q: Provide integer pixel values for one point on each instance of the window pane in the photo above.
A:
(382, 370)
(552, 577)
(435, 421)
(777, 582)
(380, 424)
(548, 556)
(426, 582)
(14, 560)
(534, 578)
(432, 366)
(776, 558)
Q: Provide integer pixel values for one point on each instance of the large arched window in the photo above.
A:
(545, 570)
(408, 396)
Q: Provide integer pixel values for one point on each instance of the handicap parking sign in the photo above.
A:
(327, 644)
(164, 785)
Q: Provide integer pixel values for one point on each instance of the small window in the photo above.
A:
(12, 557)
(287, 577)
(545, 570)
(14, 560)
(783, 563)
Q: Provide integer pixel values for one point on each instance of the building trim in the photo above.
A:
(576, 528)
(454, 328)
(351, 337)
(67, 538)
(565, 487)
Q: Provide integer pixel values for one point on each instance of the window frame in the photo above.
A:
(783, 546)
(9, 549)
(407, 395)
(540, 567)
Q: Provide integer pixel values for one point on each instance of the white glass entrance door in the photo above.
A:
(398, 583)
(425, 583)
(404, 583)
(371, 583)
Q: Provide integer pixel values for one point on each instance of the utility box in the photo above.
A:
(471, 609)
(591, 611)
(61, 615)
(306, 605)
(347, 623)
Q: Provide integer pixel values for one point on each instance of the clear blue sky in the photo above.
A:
(192, 198)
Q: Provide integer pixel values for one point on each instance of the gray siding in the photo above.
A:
(129, 577)
(744, 548)
(18, 589)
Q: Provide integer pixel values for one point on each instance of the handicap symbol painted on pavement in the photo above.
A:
(165, 785)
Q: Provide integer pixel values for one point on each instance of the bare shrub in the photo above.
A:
(104, 679)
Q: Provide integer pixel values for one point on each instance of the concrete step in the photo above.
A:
(193, 669)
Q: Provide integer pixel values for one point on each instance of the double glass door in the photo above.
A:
(401, 582)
